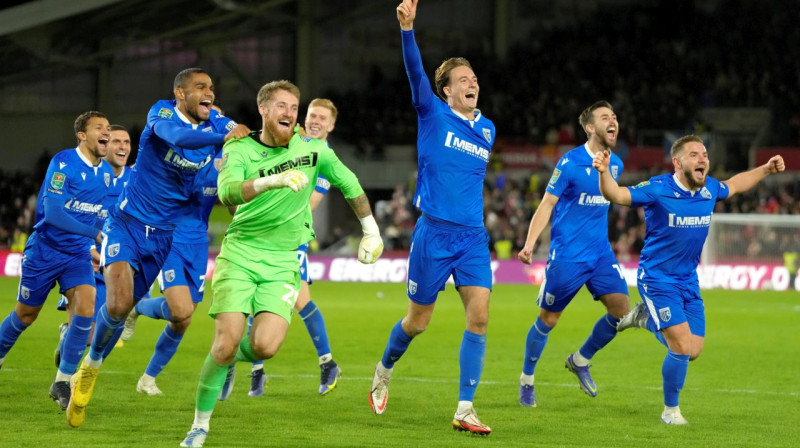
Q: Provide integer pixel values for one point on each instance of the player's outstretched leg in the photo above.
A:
(258, 380)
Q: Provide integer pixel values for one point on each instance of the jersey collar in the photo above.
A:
(85, 160)
(680, 185)
(473, 120)
(186, 120)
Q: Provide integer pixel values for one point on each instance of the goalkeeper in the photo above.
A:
(266, 175)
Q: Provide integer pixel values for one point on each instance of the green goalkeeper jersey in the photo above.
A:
(278, 219)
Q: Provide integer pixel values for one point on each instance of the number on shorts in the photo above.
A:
(291, 296)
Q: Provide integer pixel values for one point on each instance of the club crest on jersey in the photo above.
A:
(57, 181)
(554, 178)
(412, 287)
(169, 276)
(24, 292)
(107, 178)
(165, 113)
(665, 314)
(705, 193)
(487, 134)
(614, 171)
(113, 250)
(218, 164)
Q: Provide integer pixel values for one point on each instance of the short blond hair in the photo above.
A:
(266, 91)
(327, 104)
(677, 147)
(442, 75)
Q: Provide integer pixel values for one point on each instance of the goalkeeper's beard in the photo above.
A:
(278, 134)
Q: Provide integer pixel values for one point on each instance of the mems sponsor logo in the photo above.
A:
(592, 200)
(299, 162)
(83, 207)
(466, 147)
(175, 159)
(689, 221)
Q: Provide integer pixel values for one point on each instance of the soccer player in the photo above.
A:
(579, 251)
(678, 210)
(119, 149)
(453, 142)
(180, 138)
(266, 177)
(320, 121)
(182, 278)
(67, 225)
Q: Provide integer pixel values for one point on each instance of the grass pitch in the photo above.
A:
(743, 390)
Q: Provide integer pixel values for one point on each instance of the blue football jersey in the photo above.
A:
(118, 183)
(163, 178)
(676, 226)
(580, 218)
(452, 151)
(192, 222)
(71, 177)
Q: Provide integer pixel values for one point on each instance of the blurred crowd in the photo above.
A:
(677, 60)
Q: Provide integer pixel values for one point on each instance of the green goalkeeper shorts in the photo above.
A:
(248, 280)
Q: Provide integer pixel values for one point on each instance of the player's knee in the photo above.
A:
(180, 323)
(28, 316)
(264, 349)
(224, 352)
(414, 327)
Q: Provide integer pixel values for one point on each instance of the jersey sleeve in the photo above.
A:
(222, 123)
(186, 138)
(723, 192)
(231, 174)
(559, 180)
(421, 92)
(644, 193)
(323, 185)
(339, 175)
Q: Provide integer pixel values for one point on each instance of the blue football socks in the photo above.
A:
(397, 345)
(534, 345)
(603, 332)
(470, 359)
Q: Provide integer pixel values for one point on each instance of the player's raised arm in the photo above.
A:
(748, 179)
(421, 91)
(538, 222)
(406, 13)
(608, 186)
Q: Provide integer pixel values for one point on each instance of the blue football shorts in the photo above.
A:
(302, 257)
(563, 280)
(440, 249)
(671, 304)
(144, 247)
(43, 265)
(186, 265)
